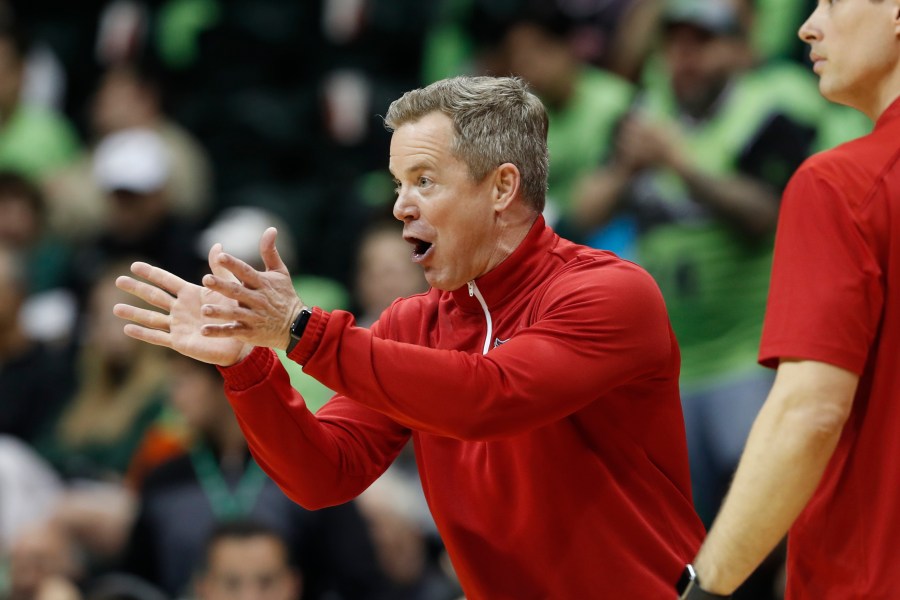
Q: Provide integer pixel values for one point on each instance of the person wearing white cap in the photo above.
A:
(133, 168)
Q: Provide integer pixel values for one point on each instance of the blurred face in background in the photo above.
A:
(20, 225)
(543, 59)
(399, 542)
(252, 568)
(104, 330)
(134, 215)
(699, 64)
(196, 393)
(123, 101)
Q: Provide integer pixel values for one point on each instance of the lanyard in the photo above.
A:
(225, 503)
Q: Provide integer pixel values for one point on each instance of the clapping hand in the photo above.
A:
(261, 304)
(220, 322)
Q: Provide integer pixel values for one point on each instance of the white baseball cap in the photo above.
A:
(135, 160)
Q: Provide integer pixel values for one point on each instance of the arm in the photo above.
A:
(595, 331)
(746, 202)
(749, 204)
(787, 451)
(825, 303)
(598, 194)
(317, 460)
(750, 198)
(599, 327)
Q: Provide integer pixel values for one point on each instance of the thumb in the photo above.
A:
(269, 253)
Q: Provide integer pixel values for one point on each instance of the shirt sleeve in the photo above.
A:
(595, 329)
(317, 460)
(826, 292)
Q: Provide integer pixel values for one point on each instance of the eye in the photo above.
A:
(396, 187)
(423, 182)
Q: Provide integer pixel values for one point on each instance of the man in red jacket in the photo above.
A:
(537, 378)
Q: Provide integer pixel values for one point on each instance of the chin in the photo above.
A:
(831, 92)
(435, 282)
(443, 284)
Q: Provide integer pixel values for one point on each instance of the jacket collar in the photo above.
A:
(520, 271)
(890, 114)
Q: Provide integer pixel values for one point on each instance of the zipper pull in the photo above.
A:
(471, 285)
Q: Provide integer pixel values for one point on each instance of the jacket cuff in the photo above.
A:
(312, 337)
(250, 371)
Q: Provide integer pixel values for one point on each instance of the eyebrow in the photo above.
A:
(419, 166)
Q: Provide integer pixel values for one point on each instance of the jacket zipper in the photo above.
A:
(474, 291)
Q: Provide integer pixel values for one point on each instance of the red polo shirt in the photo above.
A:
(834, 299)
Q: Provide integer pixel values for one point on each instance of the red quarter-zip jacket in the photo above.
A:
(542, 399)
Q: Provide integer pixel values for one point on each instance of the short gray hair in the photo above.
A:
(496, 120)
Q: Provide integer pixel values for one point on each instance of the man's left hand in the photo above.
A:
(266, 300)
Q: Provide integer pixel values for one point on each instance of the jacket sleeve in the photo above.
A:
(317, 460)
(593, 331)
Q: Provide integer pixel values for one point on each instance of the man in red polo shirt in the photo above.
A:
(823, 457)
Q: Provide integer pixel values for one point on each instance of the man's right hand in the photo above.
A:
(179, 327)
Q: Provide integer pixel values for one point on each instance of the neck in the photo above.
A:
(883, 99)
(514, 229)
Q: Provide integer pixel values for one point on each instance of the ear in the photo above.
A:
(507, 186)
(896, 5)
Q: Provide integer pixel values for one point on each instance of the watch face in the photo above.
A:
(299, 324)
(684, 582)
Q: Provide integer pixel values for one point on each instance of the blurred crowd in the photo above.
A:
(150, 129)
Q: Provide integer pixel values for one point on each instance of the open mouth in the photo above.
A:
(420, 247)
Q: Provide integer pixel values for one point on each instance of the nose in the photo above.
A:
(810, 31)
(405, 208)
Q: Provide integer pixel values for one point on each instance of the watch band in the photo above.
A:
(688, 587)
(298, 327)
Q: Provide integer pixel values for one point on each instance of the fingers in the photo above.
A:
(269, 252)
(220, 312)
(237, 270)
(146, 318)
(231, 289)
(228, 319)
(146, 292)
(215, 266)
(151, 336)
(171, 283)
(222, 330)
